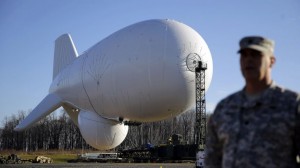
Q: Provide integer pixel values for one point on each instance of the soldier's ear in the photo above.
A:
(272, 61)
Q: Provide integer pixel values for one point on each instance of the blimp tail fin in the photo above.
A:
(50, 103)
(64, 53)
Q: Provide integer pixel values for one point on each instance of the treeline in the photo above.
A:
(52, 132)
(57, 132)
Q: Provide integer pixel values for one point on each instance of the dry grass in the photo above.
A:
(58, 156)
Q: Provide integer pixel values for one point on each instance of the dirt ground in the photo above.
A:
(103, 165)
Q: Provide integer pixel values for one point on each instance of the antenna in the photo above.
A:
(192, 61)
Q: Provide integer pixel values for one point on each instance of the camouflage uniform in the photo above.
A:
(264, 132)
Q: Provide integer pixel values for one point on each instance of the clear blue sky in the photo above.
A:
(28, 30)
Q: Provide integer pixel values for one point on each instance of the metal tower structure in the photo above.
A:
(200, 124)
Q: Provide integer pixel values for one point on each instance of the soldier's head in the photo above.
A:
(256, 58)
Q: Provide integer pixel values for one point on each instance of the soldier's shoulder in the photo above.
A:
(236, 96)
(285, 93)
(230, 101)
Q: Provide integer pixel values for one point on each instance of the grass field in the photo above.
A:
(57, 156)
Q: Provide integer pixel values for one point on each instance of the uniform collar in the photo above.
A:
(265, 97)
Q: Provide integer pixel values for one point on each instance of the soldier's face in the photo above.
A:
(255, 65)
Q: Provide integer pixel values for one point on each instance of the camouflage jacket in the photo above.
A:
(261, 133)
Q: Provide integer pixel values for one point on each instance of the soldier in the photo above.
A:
(258, 126)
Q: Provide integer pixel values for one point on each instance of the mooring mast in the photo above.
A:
(195, 64)
(200, 124)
